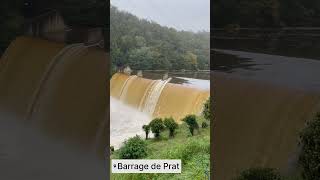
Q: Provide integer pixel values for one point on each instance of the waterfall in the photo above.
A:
(135, 101)
(153, 96)
(71, 50)
(124, 89)
(60, 88)
(157, 98)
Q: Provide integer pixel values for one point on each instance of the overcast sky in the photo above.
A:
(190, 15)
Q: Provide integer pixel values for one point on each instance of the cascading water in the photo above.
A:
(59, 88)
(66, 52)
(124, 89)
(135, 101)
(154, 95)
(258, 124)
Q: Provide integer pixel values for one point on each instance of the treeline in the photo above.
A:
(11, 18)
(75, 12)
(266, 13)
(145, 45)
(14, 13)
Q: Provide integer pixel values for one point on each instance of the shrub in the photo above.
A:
(310, 155)
(112, 148)
(204, 125)
(156, 126)
(191, 121)
(134, 148)
(207, 110)
(171, 125)
(146, 129)
(259, 174)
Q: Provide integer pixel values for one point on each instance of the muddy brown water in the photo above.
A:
(263, 102)
(53, 111)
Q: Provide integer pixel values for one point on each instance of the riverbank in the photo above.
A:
(194, 151)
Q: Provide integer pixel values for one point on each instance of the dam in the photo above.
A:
(145, 99)
(263, 102)
(53, 103)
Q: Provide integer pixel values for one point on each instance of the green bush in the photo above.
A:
(192, 123)
(204, 125)
(157, 127)
(134, 148)
(171, 125)
(259, 174)
(146, 129)
(207, 110)
(112, 148)
(310, 155)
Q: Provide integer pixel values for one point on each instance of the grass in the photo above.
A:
(194, 152)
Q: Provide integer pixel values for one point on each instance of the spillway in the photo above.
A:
(157, 98)
(57, 88)
(258, 123)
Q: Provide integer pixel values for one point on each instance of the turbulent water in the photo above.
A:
(135, 101)
(58, 91)
(125, 122)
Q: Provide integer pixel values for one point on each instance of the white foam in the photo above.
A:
(125, 122)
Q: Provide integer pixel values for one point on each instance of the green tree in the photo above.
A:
(157, 127)
(192, 123)
(133, 148)
(171, 125)
(310, 155)
(204, 125)
(146, 129)
(145, 45)
(191, 61)
(207, 114)
(144, 58)
(11, 19)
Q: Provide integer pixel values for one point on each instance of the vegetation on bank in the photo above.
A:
(265, 13)
(172, 141)
(309, 159)
(310, 155)
(194, 151)
(145, 45)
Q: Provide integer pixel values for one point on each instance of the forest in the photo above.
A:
(146, 45)
(266, 13)
(14, 13)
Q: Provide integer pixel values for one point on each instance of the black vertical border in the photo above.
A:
(212, 96)
(107, 116)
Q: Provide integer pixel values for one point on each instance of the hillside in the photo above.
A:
(143, 45)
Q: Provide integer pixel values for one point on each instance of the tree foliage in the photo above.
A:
(204, 124)
(310, 155)
(171, 125)
(157, 127)
(266, 13)
(207, 114)
(11, 18)
(191, 121)
(146, 129)
(143, 44)
(134, 148)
